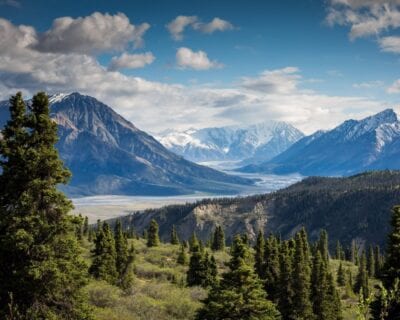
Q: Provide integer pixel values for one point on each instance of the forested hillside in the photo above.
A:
(356, 209)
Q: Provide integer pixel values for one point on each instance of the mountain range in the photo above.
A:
(109, 155)
(352, 147)
(250, 144)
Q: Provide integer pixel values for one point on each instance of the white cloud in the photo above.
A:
(394, 88)
(365, 18)
(131, 61)
(216, 24)
(390, 44)
(368, 84)
(177, 26)
(11, 3)
(274, 81)
(155, 106)
(92, 34)
(197, 60)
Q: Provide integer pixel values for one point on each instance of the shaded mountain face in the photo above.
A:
(354, 208)
(109, 155)
(354, 146)
(252, 144)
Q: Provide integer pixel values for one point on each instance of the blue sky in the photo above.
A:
(311, 63)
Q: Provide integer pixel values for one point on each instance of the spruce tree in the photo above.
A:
(392, 265)
(361, 283)
(339, 254)
(174, 236)
(104, 256)
(193, 242)
(86, 227)
(259, 254)
(182, 257)
(197, 274)
(121, 250)
(371, 262)
(153, 239)
(239, 294)
(323, 245)
(272, 267)
(378, 261)
(341, 276)
(286, 293)
(40, 264)
(302, 308)
(218, 239)
(126, 276)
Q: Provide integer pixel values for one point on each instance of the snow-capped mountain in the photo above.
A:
(109, 155)
(253, 144)
(353, 146)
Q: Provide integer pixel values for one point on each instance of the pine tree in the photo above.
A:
(259, 254)
(182, 257)
(218, 239)
(121, 250)
(371, 262)
(323, 245)
(341, 276)
(86, 227)
(286, 293)
(272, 267)
(104, 256)
(40, 264)
(174, 236)
(362, 277)
(197, 273)
(392, 264)
(302, 308)
(239, 294)
(193, 242)
(153, 239)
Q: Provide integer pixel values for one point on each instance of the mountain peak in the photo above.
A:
(385, 116)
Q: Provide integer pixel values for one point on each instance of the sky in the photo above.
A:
(192, 64)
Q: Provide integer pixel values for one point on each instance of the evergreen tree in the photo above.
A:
(378, 261)
(153, 239)
(371, 262)
(41, 270)
(122, 253)
(392, 264)
(259, 254)
(354, 252)
(197, 274)
(86, 227)
(126, 276)
(104, 256)
(239, 294)
(218, 242)
(339, 254)
(386, 305)
(362, 277)
(212, 271)
(323, 245)
(174, 236)
(182, 257)
(301, 308)
(193, 242)
(341, 276)
(286, 293)
(271, 267)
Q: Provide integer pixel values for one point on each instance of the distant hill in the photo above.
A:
(251, 144)
(109, 155)
(352, 147)
(353, 208)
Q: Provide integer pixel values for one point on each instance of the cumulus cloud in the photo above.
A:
(390, 44)
(395, 87)
(365, 17)
(92, 34)
(177, 26)
(156, 106)
(131, 61)
(368, 84)
(197, 60)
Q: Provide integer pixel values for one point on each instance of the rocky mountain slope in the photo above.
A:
(109, 155)
(354, 146)
(355, 208)
(253, 144)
